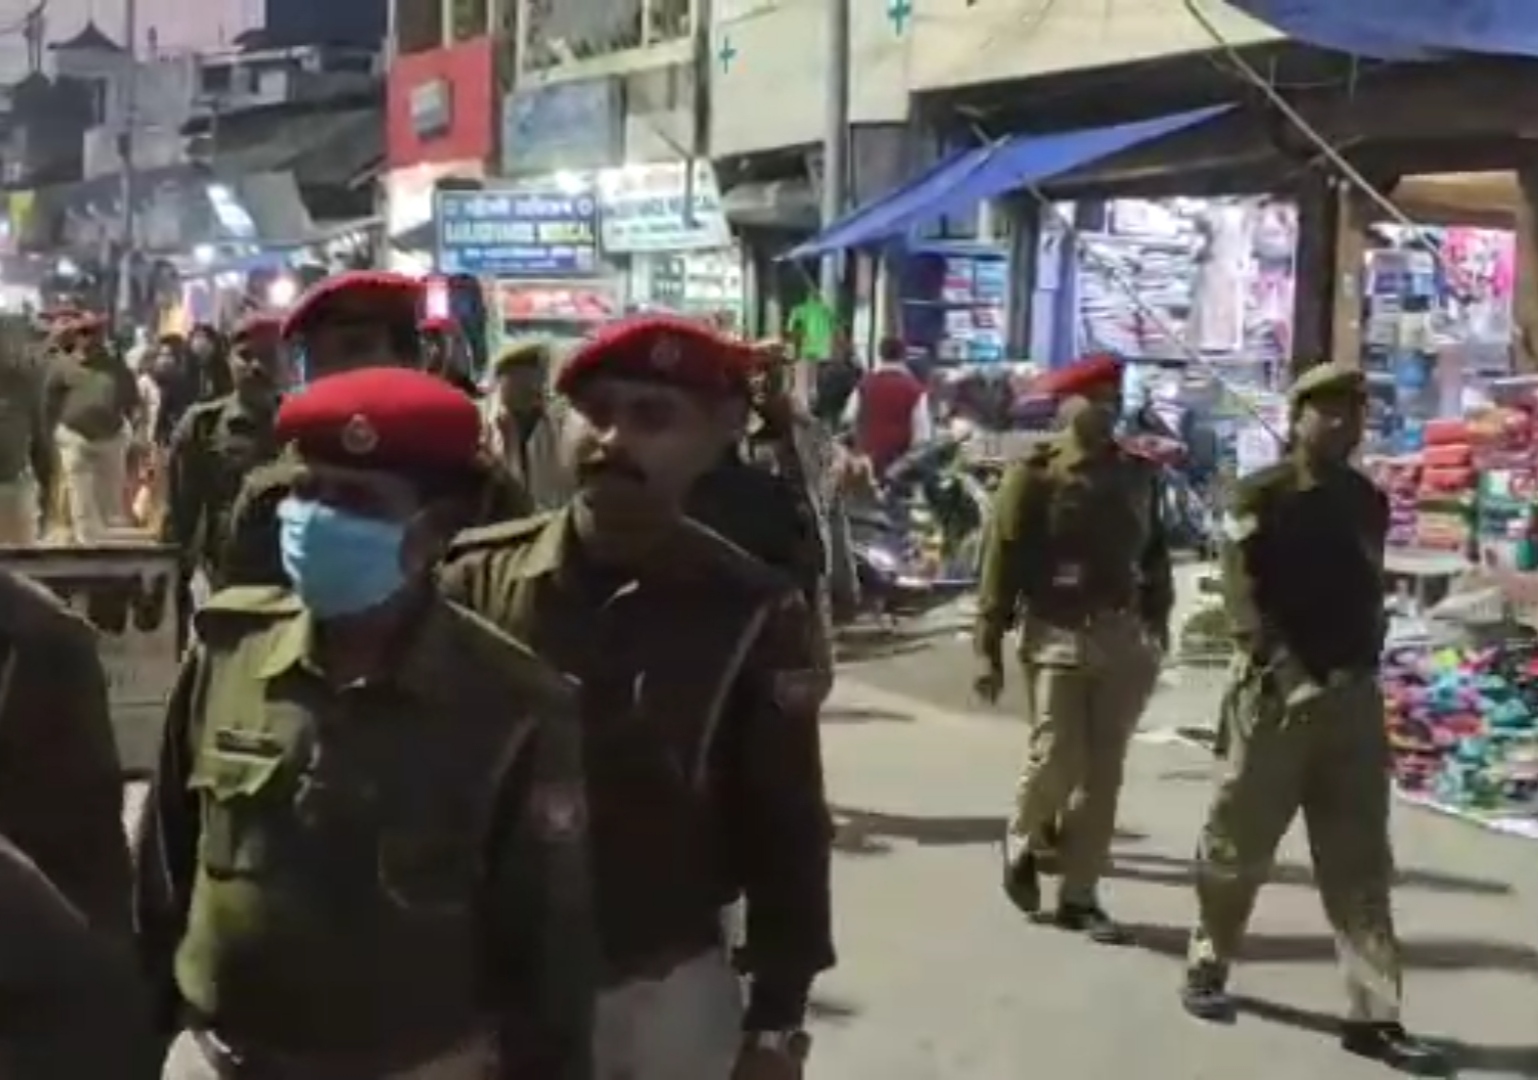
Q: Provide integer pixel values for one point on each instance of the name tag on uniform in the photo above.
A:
(1068, 575)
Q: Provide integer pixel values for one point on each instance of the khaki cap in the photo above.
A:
(1333, 378)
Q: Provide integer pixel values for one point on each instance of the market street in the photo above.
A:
(939, 979)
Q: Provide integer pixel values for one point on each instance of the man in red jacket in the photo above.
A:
(889, 410)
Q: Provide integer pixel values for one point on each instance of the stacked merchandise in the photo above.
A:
(1507, 488)
(1400, 479)
(1444, 501)
(1463, 724)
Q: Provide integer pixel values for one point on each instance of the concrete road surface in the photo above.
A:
(940, 979)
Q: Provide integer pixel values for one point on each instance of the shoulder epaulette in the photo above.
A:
(712, 549)
(501, 534)
(511, 659)
(253, 600)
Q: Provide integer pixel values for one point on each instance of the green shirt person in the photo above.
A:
(364, 852)
(812, 328)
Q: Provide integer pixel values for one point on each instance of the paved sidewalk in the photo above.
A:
(941, 980)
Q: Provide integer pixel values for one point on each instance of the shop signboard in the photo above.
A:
(516, 234)
(647, 209)
(441, 105)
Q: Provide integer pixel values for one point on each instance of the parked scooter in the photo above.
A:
(917, 539)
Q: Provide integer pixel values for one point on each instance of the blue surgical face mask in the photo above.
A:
(340, 563)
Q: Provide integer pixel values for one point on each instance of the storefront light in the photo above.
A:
(204, 254)
(570, 183)
(282, 291)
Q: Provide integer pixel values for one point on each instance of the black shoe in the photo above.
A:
(1091, 921)
(1021, 884)
(1204, 994)
(1395, 1047)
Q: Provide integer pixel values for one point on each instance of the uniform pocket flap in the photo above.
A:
(229, 774)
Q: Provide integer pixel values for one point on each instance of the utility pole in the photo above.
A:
(126, 152)
(835, 141)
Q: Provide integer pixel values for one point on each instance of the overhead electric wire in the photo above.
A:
(1279, 101)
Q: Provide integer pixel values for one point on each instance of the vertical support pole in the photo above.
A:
(126, 152)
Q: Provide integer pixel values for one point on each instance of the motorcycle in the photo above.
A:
(916, 541)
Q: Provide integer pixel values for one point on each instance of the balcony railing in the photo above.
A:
(561, 33)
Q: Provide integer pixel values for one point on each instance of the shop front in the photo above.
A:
(1217, 242)
(668, 230)
(534, 246)
(441, 110)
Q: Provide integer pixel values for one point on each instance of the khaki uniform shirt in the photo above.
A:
(367, 874)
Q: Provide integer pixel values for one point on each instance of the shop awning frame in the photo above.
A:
(971, 176)
(1417, 30)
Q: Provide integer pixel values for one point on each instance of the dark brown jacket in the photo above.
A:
(61, 783)
(699, 699)
(74, 1007)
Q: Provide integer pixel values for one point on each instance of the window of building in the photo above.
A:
(470, 19)
(418, 25)
(561, 31)
(214, 80)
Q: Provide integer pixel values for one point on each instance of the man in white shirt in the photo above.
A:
(523, 424)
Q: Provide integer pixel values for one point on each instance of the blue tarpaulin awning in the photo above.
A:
(967, 178)
(1405, 29)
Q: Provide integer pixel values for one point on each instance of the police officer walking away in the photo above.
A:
(1078, 559)
(699, 697)
(1302, 565)
(364, 852)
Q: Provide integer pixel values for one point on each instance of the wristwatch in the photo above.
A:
(794, 1043)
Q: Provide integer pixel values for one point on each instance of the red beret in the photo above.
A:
(258, 326)
(372, 295)
(1080, 377)
(386, 418)
(665, 349)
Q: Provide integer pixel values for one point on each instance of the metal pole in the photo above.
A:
(126, 151)
(835, 140)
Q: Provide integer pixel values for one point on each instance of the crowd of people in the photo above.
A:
(498, 706)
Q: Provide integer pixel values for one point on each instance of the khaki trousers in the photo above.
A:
(94, 474)
(19, 511)
(1085, 689)
(1294, 745)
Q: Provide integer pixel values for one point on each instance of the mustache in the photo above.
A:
(621, 468)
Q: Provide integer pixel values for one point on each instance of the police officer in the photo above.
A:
(699, 695)
(352, 320)
(364, 851)
(61, 781)
(1077, 558)
(1302, 560)
(217, 444)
